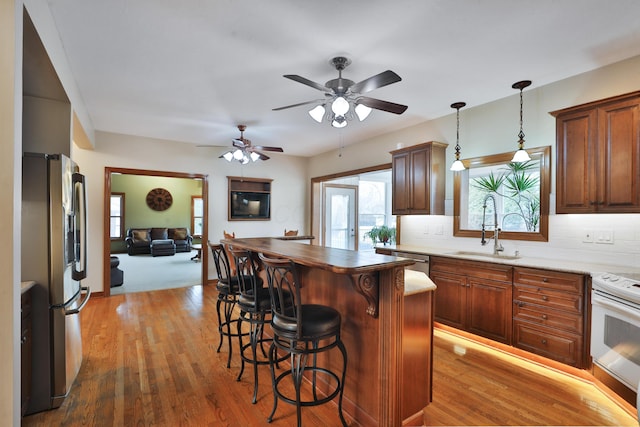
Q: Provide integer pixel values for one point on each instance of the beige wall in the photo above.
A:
(492, 128)
(10, 161)
(289, 206)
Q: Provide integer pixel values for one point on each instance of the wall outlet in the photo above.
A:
(604, 237)
(587, 236)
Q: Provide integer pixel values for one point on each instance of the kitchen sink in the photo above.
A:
(484, 255)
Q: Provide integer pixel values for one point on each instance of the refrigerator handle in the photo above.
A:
(87, 295)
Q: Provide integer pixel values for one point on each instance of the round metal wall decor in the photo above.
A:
(159, 199)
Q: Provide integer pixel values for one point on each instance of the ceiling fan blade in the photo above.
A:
(305, 81)
(315, 101)
(261, 147)
(262, 155)
(298, 104)
(374, 82)
(378, 104)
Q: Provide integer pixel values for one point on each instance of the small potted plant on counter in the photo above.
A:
(382, 234)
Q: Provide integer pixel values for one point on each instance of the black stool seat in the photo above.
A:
(301, 330)
(318, 322)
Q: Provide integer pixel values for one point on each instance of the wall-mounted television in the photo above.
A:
(250, 205)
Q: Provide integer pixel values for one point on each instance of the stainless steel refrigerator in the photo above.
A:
(54, 254)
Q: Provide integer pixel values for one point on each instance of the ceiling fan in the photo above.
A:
(244, 151)
(345, 97)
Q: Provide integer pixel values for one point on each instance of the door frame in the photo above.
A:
(106, 249)
(317, 202)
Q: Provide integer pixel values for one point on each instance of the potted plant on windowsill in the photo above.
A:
(382, 234)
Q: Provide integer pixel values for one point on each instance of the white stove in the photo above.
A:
(625, 286)
(615, 325)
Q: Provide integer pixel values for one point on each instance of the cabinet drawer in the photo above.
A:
(549, 298)
(563, 347)
(483, 270)
(566, 282)
(547, 317)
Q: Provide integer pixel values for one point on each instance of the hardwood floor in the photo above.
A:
(150, 359)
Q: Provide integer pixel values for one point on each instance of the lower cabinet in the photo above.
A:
(549, 314)
(540, 311)
(473, 296)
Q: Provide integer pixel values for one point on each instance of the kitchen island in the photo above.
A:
(387, 331)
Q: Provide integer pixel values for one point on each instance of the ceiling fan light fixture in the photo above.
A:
(339, 122)
(521, 155)
(340, 106)
(254, 156)
(228, 156)
(317, 113)
(362, 111)
(238, 154)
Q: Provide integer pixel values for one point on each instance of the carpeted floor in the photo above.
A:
(146, 273)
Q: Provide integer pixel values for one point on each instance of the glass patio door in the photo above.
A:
(340, 227)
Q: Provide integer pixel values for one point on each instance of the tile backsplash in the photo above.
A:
(599, 238)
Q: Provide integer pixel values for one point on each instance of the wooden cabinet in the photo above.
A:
(473, 296)
(549, 316)
(598, 156)
(418, 175)
(25, 349)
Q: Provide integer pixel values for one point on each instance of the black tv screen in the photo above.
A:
(250, 205)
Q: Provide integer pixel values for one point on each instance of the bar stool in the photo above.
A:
(255, 305)
(228, 293)
(301, 330)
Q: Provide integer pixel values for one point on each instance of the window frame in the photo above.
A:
(543, 154)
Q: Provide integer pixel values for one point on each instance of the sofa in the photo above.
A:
(139, 240)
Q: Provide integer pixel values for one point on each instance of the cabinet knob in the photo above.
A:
(544, 316)
(545, 298)
(545, 280)
(544, 341)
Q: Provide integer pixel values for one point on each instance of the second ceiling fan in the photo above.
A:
(244, 151)
(343, 97)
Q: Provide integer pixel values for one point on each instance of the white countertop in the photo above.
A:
(570, 266)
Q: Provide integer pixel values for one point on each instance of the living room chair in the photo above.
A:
(290, 232)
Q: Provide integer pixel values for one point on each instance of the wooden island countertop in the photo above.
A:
(388, 335)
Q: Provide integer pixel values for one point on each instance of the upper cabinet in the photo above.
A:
(419, 179)
(598, 156)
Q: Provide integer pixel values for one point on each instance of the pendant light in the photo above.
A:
(457, 165)
(521, 155)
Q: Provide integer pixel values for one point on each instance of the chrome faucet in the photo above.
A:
(497, 246)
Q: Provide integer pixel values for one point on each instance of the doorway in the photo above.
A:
(109, 172)
(371, 207)
(340, 223)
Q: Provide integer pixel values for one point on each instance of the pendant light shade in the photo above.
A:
(521, 155)
(457, 165)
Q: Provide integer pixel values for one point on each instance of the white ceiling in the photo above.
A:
(191, 70)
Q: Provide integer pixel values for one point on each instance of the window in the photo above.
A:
(116, 220)
(197, 215)
(517, 194)
(373, 209)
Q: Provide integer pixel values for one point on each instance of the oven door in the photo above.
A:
(615, 338)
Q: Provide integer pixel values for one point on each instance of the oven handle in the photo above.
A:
(619, 306)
